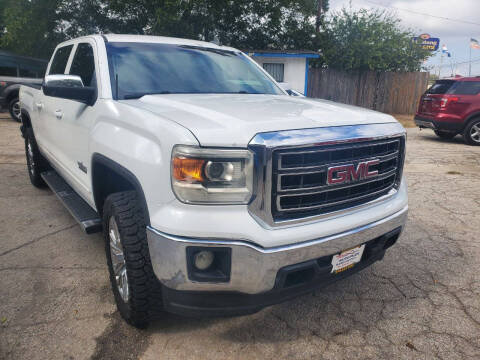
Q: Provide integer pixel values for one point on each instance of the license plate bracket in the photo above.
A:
(347, 259)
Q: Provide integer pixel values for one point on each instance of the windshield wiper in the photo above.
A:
(139, 95)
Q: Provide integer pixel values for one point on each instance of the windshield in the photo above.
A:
(138, 69)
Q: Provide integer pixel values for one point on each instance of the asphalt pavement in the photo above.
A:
(421, 302)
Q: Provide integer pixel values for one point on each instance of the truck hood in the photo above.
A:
(232, 120)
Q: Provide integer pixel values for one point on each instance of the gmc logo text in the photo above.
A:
(344, 174)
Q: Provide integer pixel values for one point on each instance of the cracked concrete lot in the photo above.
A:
(421, 302)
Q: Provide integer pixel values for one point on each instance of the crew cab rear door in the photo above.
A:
(45, 106)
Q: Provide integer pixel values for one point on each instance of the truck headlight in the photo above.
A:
(212, 176)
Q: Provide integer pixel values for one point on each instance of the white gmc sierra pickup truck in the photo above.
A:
(217, 193)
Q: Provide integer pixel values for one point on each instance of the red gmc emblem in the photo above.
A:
(344, 174)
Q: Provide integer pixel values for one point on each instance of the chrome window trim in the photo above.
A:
(264, 144)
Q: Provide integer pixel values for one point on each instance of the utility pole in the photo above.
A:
(319, 14)
(441, 64)
(470, 62)
(452, 65)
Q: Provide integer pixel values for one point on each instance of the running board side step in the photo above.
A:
(88, 218)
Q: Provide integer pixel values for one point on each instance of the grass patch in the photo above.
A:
(405, 120)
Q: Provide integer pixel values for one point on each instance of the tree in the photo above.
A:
(34, 27)
(29, 27)
(241, 23)
(370, 40)
(82, 17)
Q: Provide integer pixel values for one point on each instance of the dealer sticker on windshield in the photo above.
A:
(347, 259)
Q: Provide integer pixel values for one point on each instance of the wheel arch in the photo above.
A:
(11, 92)
(109, 177)
(26, 122)
(470, 118)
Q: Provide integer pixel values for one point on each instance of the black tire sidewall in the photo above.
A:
(10, 109)
(38, 160)
(108, 211)
(144, 288)
(466, 134)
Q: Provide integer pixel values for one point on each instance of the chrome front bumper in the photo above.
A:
(254, 269)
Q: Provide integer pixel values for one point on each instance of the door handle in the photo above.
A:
(39, 106)
(59, 114)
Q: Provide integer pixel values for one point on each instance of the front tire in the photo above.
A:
(14, 109)
(471, 133)
(36, 163)
(135, 287)
(444, 134)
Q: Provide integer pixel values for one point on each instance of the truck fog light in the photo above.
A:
(203, 260)
(208, 263)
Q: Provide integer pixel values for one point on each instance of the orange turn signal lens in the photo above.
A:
(187, 169)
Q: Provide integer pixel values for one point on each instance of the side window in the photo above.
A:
(465, 88)
(8, 70)
(83, 64)
(274, 69)
(8, 66)
(60, 59)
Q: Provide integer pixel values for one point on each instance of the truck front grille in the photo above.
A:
(299, 177)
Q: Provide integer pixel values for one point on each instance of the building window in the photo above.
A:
(276, 70)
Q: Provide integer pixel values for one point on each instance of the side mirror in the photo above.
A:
(69, 87)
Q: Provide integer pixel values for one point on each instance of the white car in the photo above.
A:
(217, 193)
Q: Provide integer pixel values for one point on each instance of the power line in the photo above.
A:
(459, 62)
(455, 63)
(424, 14)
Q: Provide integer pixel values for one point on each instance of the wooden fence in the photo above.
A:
(389, 92)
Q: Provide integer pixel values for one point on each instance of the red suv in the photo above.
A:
(451, 107)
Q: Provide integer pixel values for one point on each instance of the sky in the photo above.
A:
(454, 34)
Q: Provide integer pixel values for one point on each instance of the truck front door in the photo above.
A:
(76, 121)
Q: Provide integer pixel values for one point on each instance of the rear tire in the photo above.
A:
(471, 134)
(36, 163)
(135, 287)
(444, 134)
(14, 109)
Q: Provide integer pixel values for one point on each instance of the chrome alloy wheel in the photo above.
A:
(118, 259)
(16, 110)
(31, 162)
(475, 132)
